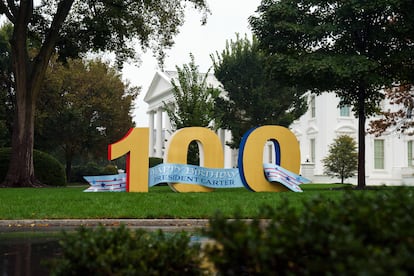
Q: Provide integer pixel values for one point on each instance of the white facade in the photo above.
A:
(160, 93)
(388, 158)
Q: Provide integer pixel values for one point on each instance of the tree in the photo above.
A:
(253, 98)
(342, 160)
(193, 103)
(6, 86)
(351, 48)
(400, 117)
(71, 28)
(91, 107)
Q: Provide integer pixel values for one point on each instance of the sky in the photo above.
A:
(228, 18)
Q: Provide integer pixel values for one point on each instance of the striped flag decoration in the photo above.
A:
(290, 180)
(106, 183)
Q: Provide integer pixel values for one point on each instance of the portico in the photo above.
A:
(160, 93)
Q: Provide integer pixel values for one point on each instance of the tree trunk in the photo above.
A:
(68, 168)
(21, 168)
(361, 139)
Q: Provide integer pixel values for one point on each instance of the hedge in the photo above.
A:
(48, 170)
(363, 233)
(154, 161)
(120, 251)
(92, 168)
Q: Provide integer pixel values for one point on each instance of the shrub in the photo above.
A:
(356, 235)
(109, 169)
(48, 170)
(342, 160)
(90, 168)
(154, 161)
(120, 251)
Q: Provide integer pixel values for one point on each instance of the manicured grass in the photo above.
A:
(160, 202)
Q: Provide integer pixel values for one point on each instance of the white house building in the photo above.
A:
(389, 158)
(160, 93)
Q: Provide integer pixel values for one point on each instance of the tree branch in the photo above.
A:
(19, 41)
(42, 59)
(12, 7)
(6, 11)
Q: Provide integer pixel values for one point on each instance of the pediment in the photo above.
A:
(346, 130)
(311, 130)
(159, 88)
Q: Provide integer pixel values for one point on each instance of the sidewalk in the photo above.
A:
(45, 225)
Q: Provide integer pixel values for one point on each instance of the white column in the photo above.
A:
(158, 139)
(228, 154)
(151, 133)
(167, 126)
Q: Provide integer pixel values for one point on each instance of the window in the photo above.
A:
(410, 153)
(312, 106)
(379, 154)
(345, 111)
(312, 150)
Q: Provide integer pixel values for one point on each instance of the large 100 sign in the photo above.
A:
(251, 172)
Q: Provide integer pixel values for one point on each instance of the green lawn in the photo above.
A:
(159, 202)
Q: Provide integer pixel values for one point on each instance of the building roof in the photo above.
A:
(160, 89)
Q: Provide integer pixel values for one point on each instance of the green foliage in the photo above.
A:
(352, 48)
(194, 97)
(115, 26)
(253, 98)
(49, 170)
(342, 160)
(338, 46)
(109, 169)
(6, 86)
(91, 168)
(194, 103)
(193, 155)
(359, 234)
(154, 161)
(70, 29)
(91, 109)
(160, 202)
(120, 251)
